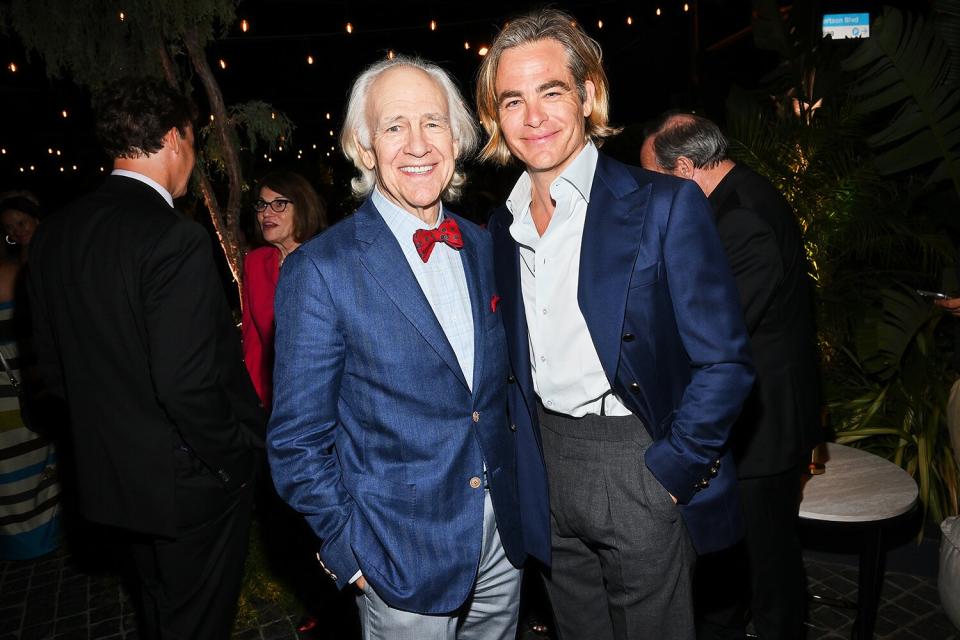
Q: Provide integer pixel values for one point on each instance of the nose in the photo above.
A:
(417, 145)
(535, 115)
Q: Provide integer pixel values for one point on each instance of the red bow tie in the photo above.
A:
(448, 232)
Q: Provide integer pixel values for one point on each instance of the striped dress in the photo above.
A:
(29, 490)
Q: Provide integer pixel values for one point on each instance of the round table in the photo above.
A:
(858, 487)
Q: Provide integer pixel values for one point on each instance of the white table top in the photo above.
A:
(857, 486)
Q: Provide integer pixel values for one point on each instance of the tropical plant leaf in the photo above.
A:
(906, 63)
(888, 328)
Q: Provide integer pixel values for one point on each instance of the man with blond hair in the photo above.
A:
(389, 430)
(626, 339)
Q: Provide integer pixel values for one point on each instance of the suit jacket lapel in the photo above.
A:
(382, 257)
(611, 239)
(506, 261)
(474, 275)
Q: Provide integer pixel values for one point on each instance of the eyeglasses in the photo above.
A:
(279, 205)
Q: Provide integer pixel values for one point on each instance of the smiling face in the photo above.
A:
(277, 228)
(412, 150)
(540, 111)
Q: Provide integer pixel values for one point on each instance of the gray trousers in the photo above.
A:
(490, 613)
(622, 558)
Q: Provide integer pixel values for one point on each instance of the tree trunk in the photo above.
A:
(226, 221)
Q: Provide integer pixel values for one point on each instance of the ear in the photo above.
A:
(172, 140)
(367, 157)
(684, 167)
(590, 92)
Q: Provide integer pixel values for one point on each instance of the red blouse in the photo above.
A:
(261, 270)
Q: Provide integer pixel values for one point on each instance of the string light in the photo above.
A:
(3, 152)
(466, 45)
(223, 64)
(349, 27)
(50, 151)
(273, 115)
(599, 24)
(433, 25)
(390, 54)
(658, 11)
(314, 146)
(58, 153)
(22, 170)
(686, 7)
(328, 115)
(64, 113)
(74, 167)
(102, 169)
(32, 168)
(13, 67)
(211, 117)
(328, 154)
(280, 148)
(244, 25)
(309, 59)
(123, 16)
(482, 51)
(629, 19)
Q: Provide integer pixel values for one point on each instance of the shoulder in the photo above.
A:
(624, 179)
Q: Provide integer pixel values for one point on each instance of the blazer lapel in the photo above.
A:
(506, 261)
(611, 239)
(474, 275)
(382, 257)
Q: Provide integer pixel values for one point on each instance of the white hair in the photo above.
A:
(356, 128)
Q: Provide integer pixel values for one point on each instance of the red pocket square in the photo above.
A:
(494, 301)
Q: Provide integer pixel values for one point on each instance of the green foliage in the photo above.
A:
(905, 67)
(87, 42)
(871, 237)
(257, 125)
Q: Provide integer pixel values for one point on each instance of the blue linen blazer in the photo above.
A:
(663, 312)
(375, 435)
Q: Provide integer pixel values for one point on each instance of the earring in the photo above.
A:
(9, 241)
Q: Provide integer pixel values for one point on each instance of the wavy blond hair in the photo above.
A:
(584, 60)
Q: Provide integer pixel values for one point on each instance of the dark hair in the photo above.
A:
(679, 134)
(133, 115)
(22, 204)
(309, 210)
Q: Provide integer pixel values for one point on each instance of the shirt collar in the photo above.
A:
(579, 174)
(402, 223)
(147, 181)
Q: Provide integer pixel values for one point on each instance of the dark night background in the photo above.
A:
(680, 58)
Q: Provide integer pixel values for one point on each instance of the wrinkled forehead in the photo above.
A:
(406, 93)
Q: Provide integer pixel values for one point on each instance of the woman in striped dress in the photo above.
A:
(29, 490)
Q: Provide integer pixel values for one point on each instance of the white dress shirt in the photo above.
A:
(441, 279)
(566, 369)
(147, 181)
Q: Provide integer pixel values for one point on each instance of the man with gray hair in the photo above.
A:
(780, 422)
(389, 430)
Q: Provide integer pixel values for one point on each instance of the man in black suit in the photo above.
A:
(780, 422)
(132, 328)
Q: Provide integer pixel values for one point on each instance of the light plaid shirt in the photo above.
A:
(442, 279)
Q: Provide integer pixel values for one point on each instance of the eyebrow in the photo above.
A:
(550, 84)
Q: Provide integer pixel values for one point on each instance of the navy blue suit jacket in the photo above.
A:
(662, 309)
(375, 435)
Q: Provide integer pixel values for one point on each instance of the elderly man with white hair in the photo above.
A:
(389, 430)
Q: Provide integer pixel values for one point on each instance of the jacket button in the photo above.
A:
(511, 379)
(476, 416)
(513, 427)
(628, 337)
(475, 482)
(634, 387)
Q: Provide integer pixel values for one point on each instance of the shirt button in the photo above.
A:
(513, 427)
(543, 358)
(474, 482)
(544, 312)
(549, 403)
(476, 416)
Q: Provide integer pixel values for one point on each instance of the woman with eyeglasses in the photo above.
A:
(289, 212)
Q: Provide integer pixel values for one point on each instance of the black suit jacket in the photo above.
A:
(132, 327)
(780, 422)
